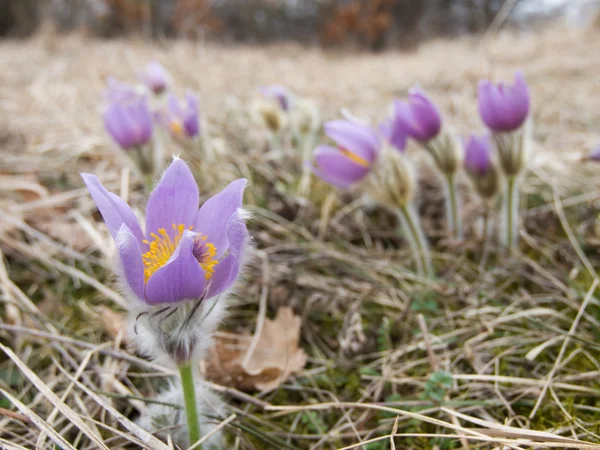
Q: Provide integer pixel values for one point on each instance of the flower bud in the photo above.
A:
(480, 167)
(156, 78)
(305, 118)
(270, 115)
(278, 93)
(594, 155)
(504, 107)
(419, 117)
(392, 181)
(513, 150)
(446, 152)
(181, 119)
(129, 122)
(356, 151)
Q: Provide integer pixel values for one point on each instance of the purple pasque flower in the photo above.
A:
(128, 120)
(594, 155)
(478, 157)
(117, 91)
(357, 149)
(181, 118)
(504, 107)
(418, 117)
(279, 93)
(184, 253)
(156, 78)
(393, 131)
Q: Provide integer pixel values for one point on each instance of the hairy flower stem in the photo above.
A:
(307, 147)
(191, 410)
(417, 240)
(487, 235)
(511, 211)
(452, 214)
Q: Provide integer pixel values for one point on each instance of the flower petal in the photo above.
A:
(143, 123)
(279, 93)
(359, 139)
(114, 210)
(156, 77)
(504, 107)
(215, 213)
(520, 100)
(486, 110)
(394, 131)
(477, 156)
(335, 168)
(227, 270)
(181, 278)
(174, 200)
(131, 259)
(191, 122)
(114, 123)
(427, 120)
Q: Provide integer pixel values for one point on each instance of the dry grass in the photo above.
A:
(515, 338)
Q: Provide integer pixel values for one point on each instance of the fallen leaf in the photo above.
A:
(274, 358)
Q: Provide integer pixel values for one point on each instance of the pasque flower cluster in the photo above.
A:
(132, 113)
(375, 159)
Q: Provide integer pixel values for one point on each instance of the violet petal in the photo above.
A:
(181, 278)
(359, 139)
(114, 210)
(215, 213)
(174, 201)
(227, 270)
(131, 259)
(335, 168)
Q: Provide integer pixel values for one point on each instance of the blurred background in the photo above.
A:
(372, 24)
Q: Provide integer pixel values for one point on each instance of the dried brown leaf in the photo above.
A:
(275, 357)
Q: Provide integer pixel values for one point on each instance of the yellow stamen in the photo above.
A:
(163, 246)
(176, 126)
(205, 253)
(354, 157)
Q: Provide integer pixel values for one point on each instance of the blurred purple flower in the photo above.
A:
(128, 120)
(117, 91)
(156, 78)
(278, 93)
(504, 107)
(394, 133)
(594, 155)
(357, 149)
(478, 158)
(417, 118)
(181, 118)
(185, 253)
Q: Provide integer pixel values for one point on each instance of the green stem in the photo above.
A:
(453, 216)
(417, 240)
(189, 396)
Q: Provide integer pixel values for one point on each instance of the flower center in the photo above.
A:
(205, 252)
(163, 246)
(354, 157)
(176, 126)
